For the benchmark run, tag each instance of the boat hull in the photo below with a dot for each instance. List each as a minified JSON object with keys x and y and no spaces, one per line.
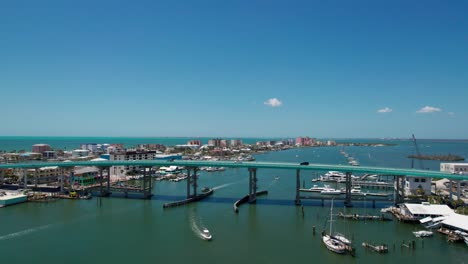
{"x":334,"y":245}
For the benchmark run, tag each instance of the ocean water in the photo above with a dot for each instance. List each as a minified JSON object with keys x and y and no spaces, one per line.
{"x":274,"y":230}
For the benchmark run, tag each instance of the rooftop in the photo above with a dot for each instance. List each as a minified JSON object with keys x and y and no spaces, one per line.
{"x":429,"y":209}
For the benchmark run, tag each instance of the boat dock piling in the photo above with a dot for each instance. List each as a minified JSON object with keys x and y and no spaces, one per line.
{"x":377,"y":248}
{"x":363,"y":217}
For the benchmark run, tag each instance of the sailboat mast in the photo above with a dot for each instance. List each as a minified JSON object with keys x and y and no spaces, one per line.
{"x":331,"y":218}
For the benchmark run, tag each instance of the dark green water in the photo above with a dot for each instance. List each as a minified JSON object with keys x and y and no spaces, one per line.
{"x":272,"y":231}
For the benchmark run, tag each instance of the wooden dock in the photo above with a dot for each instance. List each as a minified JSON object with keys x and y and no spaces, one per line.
{"x":363,"y":217}
{"x":377,"y":248}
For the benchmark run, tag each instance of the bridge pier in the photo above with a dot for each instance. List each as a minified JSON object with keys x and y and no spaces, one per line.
{"x":146,"y":183}
{"x":399,"y":197}
{"x":450,"y":191}
{"x":252,"y":185}
{"x":104,"y":191}
{"x":458,"y":189}
{"x":348,"y":190}
{"x":35,"y":178}
{"x":2,"y":177}
{"x":25,"y":178}
{"x":298,"y":187}
{"x":192,"y":182}
{"x":108,"y":180}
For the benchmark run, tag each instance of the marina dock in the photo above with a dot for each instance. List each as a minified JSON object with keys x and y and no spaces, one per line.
{"x":377,"y":248}
{"x":363,"y":217}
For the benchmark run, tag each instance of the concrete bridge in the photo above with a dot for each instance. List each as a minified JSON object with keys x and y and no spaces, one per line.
{"x":252,"y":167}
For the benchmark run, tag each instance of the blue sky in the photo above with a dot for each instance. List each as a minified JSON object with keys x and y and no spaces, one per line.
{"x":210,"y":68}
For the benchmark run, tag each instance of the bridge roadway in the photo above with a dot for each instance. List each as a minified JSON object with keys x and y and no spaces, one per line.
{"x":249,"y":165}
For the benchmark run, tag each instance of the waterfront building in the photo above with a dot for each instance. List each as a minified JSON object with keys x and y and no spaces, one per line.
{"x":93,"y":147}
{"x":84,"y":176}
{"x":215,"y":142}
{"x":130,"y":155}
{"x":80,"y":153}
{"x":11,"y":157}
{"x":305,"y":141}
{"x":425,"y":209}
{"x":167,"y":157}
{"x":30,"y":156}
{"x":456,"y":168}
{"x":417,"y":186}
{"x":194,"y":142}
{"x":40,"y":148}
{"x":49,"y":154}
{"x":45,"y":174}
{"x":331,"y":143}
{"x":236,"y":142}
{"x":158,"y":147}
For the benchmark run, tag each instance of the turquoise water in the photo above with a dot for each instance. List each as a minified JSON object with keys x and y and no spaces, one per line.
{"x":272,"y":231}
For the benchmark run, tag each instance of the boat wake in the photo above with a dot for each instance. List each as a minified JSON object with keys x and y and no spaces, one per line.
{"x":24,"y":232}
{"x":226,"y":185}
{"x":196,"y":224}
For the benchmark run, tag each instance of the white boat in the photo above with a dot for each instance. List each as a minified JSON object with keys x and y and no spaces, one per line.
{"x":432,"y":223}
{"x":333,"y":176}
{"x":277,"y":178}
{"x":330,"y":191}
{"x":342,"y":238}
{"x":356,"y":190}
{"x":206,"y":234}
{"x":423,"y":233}
{"x":316,"y":188}
{"x":330,"y":242}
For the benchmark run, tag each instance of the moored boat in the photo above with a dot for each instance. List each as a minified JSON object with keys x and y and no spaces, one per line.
{"x":330,"y":191}
{"x":342,"y":238}
{"x":423,"y":233}
{"x":332,"y":243}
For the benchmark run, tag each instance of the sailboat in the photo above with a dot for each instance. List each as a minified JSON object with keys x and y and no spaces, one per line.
{"x":332,"y":243}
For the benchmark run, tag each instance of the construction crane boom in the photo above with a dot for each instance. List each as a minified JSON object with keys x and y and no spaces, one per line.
{"x":418,"y":154}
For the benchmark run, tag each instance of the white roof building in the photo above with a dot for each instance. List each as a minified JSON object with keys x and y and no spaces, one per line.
{"x":426,"y":209}
{"x":457,"y":221}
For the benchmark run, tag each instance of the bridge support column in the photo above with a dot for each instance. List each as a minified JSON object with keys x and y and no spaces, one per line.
{"x":35,"y":178}
{"x":189,"y":179}
{"x":397,"y":189}
{"x":298,"y":186}
{"x":2,"y":177}
{"x":108,"y":180}
{"x":25,"y":178}
{"x":450,"y":191}
{"x":458,"y":189}
{"x":252,"y":185}
{"x":194,"y":183}
{"x":146,"y":183}
{"x":348,"y":190}
{"x":101,"y":180}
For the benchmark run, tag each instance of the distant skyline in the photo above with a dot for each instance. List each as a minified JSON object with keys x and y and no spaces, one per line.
{"x":270,"y":69}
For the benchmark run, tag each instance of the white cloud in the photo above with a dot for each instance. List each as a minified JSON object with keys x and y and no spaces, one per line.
{"x":428,"y":109}
{"x":385,"y":110}
{"x":273,"y":102}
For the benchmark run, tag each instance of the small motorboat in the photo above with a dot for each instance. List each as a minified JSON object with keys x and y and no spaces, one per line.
{"x":423,"y":233}
{"x":206,"y":234}
{"x":277,"y":178}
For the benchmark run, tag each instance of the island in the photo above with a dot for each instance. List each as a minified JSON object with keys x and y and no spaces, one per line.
{"x":441,"y":157}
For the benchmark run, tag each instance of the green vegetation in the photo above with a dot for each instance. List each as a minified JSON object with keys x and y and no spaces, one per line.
{"x":462,"y":210}
{"x":448,"y":157}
